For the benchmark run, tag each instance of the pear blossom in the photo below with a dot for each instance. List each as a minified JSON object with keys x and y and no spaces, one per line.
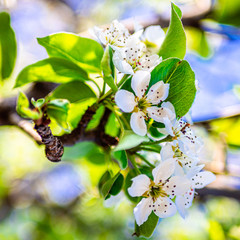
{"x":198,"y":179}
{"x":171,"y":150}
{"x":184,"y":136}
{"x":116,"y":35}
{"x":153,"y":36}
{"x":134,"y":57}
{"x":156,"y":192}
{"x":143,"y":104}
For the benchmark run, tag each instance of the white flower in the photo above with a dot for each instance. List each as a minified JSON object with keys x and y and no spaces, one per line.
{"x":156,"y":193}
{"x":134,"y":57}
{"x":198,"y":180}
{"x":172,"y":150}
{"x":153,"y":36}
{"x":143,"y":104}
{"x":116,"y":35}
{"x":184,"y":136}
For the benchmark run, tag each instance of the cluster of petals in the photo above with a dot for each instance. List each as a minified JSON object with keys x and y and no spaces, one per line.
{"x":157,"y":193}
{"x":185,"y":149}
{"x":143,"y":103}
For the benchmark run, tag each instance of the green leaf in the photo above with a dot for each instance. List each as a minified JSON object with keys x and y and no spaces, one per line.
{"x":121,"y":158}
{"x":8,"y":46}
{"x":147,"y":228}
{"x":23,"y":108}
{"x":112,"y":127}
{"x":73,"y":91}
{"x":107,"y":70}
{"x":94,"y":122}
{"x":56,"y":70}
{"x":84,"y":52}
{"x":106,"y":188}
{"x":117,"y":185}
{"x":174,"y":44}
{"x":182,"y":83}
{"x":155,"y":133}
{"x":130,"y":140}
{"x":39,"y":103}
{"x":128,"y":182}
{"x":85,"y":150}
{"x":105,"y":177}
{"x":58,"y":110}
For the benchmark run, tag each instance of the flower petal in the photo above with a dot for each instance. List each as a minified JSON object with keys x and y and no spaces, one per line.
{"x":140,"y":82}
{"x":200,"y":180}
{"x":168,"y":127}
{"x":160,"y":113}
{"x":139,"y":186}
{"x":166,"y":151}
{"x":189,"y":198}
{"x":158,"y":92}
{"x":180,"y":204}
{"x":163,"y":171}
{"x":121,"y":65}
{"x":138,"y":124}
{"x":154,"y":34}
{"x":125,"y":100}
{"x":177,"y":185}
{"x":143,"y":210}
{"x":164,"y":207}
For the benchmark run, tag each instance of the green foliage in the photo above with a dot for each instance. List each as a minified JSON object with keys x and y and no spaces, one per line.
{"x":85,"y":150}
{"x":130,"y":140}
{"x":111,"y":185}
{"x":8,"y":47}
{"x":121,"y":158}
{"x":147,"y":228}
{"x":236,"y":90}
{"x":39,"y":103}
{"x":108,"y":74}
{"x":197,"y":41}
{"x":84,"y":52}
{"x":57,"y":109}
{"x":56,"y":70}
{"x":23,"y":108}
{"x":112,"y":127}
{"x":182,"y":83}
{"x":174,"y":44}
{"x":128,"y":182}
{"x":117,"y":185}
{"x":73,"y":91}
{"x":94,"y":122}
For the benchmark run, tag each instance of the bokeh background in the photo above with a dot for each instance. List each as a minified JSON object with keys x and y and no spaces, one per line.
{"x":42,"y":200}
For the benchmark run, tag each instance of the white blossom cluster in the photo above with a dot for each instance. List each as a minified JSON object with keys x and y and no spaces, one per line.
{"x":175,"y":179}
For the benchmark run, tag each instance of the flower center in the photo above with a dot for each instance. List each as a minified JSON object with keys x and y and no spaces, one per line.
{"x":143,"y":104}
{"x":155,"y":191}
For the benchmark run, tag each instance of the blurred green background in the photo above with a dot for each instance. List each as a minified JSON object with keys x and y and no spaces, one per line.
{"x":43,"y":200}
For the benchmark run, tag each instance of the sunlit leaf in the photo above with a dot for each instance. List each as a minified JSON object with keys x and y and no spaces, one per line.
{"x":182,"y":83}
{"x":147,"y":228}
{"x":174,"y":44}
{"x":73,"y":91}
{"x":84,"y":52}
{"x":58,"y":109}
{"x":85,"y":150}
{"x":130,"y":140}
{"x":38,"y":103}
{"x":56,"y":70}
{"x":8,"y":46}
{"x":23,"y":108}
{"x":107,"y":70}
{"x":121,"y":158}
